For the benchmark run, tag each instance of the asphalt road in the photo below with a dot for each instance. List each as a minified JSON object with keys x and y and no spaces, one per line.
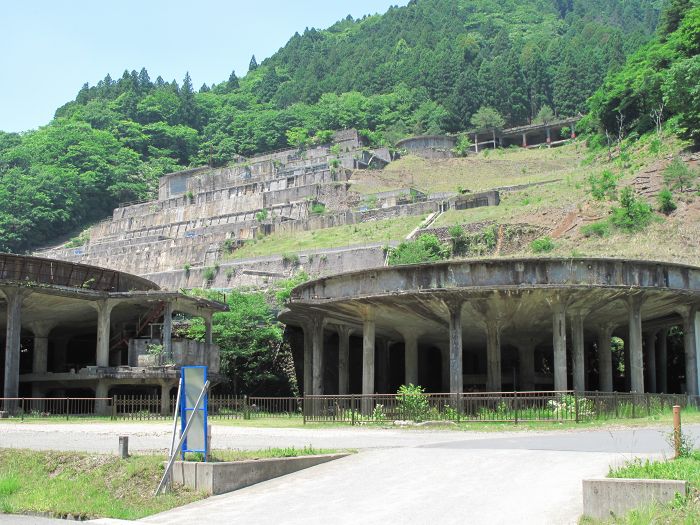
{"x":400,"y":475}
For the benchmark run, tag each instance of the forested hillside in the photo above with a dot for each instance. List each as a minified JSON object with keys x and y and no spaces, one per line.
{"x":426,"y":67}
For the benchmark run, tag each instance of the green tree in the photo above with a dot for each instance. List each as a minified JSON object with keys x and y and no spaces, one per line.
{"x":678,"y":176}
{"x":545,"y":115}
{"x":486,"y":119}
{"x":253,"y":65}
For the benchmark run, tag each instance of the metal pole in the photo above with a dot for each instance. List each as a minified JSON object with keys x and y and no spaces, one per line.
{"x":677,"y":430}
{"x":182,"y":438}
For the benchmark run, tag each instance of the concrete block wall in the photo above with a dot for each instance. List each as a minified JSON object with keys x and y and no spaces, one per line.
{"x":261,"y":271}
{"x":185,"y":353}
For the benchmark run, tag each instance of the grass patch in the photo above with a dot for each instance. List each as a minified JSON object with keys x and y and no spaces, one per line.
{"x":84,"y":485}
{"x":98,"y":485}
{"x":682,"y":510}
{"x":366,"y":232}
{"x":270,"y":453}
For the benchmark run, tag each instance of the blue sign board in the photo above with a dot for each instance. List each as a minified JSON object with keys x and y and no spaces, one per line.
{"x":192,"y":381}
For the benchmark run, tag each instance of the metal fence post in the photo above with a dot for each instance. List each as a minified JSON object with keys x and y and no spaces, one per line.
{"x":576,"y":405}
{"x":617,"y":404}
{"x":21,"y":407}
{"x":114,"y":408}
{"x":515,"y":406}
{"x":303,"y":407}
{"x":352,"y":410}
{"x":67,"y":408}
{"x":246,"y":408}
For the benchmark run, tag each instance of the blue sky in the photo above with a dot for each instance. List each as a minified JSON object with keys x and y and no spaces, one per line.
{"x":52,"y":47}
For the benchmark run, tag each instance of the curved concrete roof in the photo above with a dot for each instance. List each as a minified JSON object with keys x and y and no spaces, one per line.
{"x":26,"y":269}
{"x":515,"y":292}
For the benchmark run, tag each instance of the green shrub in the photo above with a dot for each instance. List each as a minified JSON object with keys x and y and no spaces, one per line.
{"x":412,"y":402}
{"x":598,"y":229}
{"x":666,"y":202}
{"x":604,"y":186}
{"x":290,"y":259}
{"x":543,"y":244}
{"x":261,"y":215}
{"x":633,"y":214}
{"x":318,"y":208}
{"x":678,"y":176}
{"x":424,"y":249}
{"x":209,"y":274}
{"x":187,"y":268}
{"x":463,"y":145}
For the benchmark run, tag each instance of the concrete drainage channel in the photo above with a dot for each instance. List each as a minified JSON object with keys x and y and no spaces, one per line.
{"x":221,"y":477}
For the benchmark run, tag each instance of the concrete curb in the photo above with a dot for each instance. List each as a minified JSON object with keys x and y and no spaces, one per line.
{"x":221,"y":477}
{"x":606,"y":497}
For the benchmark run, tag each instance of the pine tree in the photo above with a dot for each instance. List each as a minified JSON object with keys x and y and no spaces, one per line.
{"x":233,"y":83}
{"x":253,"y":64}
{"x":144,"y":81}
{"x":672,"y":15}
{"x":204,"y":88}
{"x":188,"y":108}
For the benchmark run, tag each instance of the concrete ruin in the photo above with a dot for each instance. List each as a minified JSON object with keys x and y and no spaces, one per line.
{"x":496,"y":325}
{"x":82,"y":331}
{"x":202,"y":215}
{"x":547,"y":134}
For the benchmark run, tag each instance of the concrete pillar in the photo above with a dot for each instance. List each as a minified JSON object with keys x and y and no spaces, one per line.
{"x":368,"y":331}
{"x":476,"y":142}
{"x":165,"y":398}
{"x":524,"y":140}
{"x":650,"y":361}
{"x":635,"y":344}
{"x":605,"y":381}
{"x":493,"y":357}
{"x":526,"y":365}
{"x":662,"y":362}
{"x":456,"y":375}
{"x":104,"y":311}
{"x":578,"y":348}
{"x":573,"y":130}
{"x":559,"y":344}
{"x":549,"y":136}
{"x":208,"y":329}
{"x":101,"y":391}
{"x":308,"y":360}
{"x":690,"y":348}
{"x":168,"y":330}
{"x":317,"y":323}
{"x":410,"y":339}
{"x":14,"y":297}
{"x":344,"y":333}
{"x":40,"y":355}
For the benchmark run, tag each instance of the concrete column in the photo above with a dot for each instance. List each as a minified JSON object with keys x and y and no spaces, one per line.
{"x":14,"y":297}
{"x":456,"y":375}
{"x":526,"y":365}
{"x":308,"y":360}
{"x":208,"y":330}
{"x":549,"y":136}
{"x":168,"y":330}
{"x":650,"y":361}
{"x":165,"y":398}
{"x":690,"y":348}
{"x":368,"y":331}
{"x":635,"y":344}
{"x":559,"y":344}
{"x":410,"y":339}
{"x":605,"y":381}
{"x":101,"y":406}
{"x":493,"y":357}
{"x":40,"y":355}
{"x":662,"y":362}
{"x":578,"y":347}
{"x":476,"y":143}
{"x":524,"y":140}
{"x":104,"y":311}
{"x":317,"y":323}
{"x":344,"y":333}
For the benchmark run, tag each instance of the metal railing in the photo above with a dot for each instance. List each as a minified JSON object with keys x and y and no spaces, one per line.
{"x":54,"y":407}
{"x":375,"y":408}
